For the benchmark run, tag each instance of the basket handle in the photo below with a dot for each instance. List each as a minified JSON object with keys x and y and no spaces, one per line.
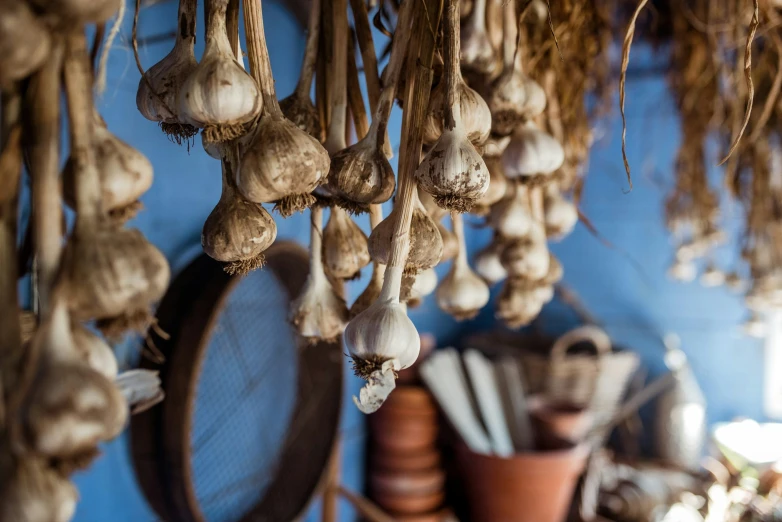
{"x":589,"y":333}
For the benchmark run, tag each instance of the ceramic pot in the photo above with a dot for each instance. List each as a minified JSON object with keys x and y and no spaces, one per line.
{"x":385,"y":460}
{"x":553,"y":421}
{"x":436,"y":516}
{"x":402,"y":504}
{"x":409,"y":399}
{"x":528,"y":487}
{"x":403,"y":433}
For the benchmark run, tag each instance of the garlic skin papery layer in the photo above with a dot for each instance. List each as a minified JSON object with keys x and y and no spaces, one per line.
{"x":381,"y":340}
{"x":345,"y":250}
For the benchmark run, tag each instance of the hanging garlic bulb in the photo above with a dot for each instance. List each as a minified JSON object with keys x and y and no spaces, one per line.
{"x":109,"y":274}
{"x":32,"y":491}
{"x":514,"y":97}
{"x":475,"y":114}
{"x":498,"y":185}
{"x":237,"y":232}
{"x":450,"y":243}
{"x":318,"y":314}
{"x":416,"y":287}
{"x":684,"y":271}
{"x":461,"y":294}
{"x":453,"y":172}
{"x":426,"y":244}
{"x":298,"y":107}
{"x":518,"y":303}
{"x":345,"y":250}
{"x":511,"y":217}
{"x":532,"y":152}
{"x":488,"y":264}
{"x":381,"y":340}
{"x":218,"y":95}
{"x":476,"y":52}
{"x":526,"y":257}
{"x":712,"y":276}
{"x":125,"y":174}
{"x":75,"y":13}
{"x":94,"y":351}
{"x":70,"y":407}
{"x":157,"y":97}
{"x":24,"y":42}
{"x":282,"y":164}
{"x":560,"y":215}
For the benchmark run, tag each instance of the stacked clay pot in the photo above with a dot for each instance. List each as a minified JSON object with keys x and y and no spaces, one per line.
{"x":405,"y":474}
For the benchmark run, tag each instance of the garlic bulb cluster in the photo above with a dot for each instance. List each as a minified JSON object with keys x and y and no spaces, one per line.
{"x":345,"y":250}
{"x":453,"y":172}
{"x":520,"y":301}
{"x":462,"y":293}
{"x":125,"y":174}
{"x":76,"y":13}
{"x":157,"y":96}
{"x":318,"y":314}
{"x":282,"y":163}
{"x":237,"y":232}
{"x":381,"y":340}
{"x":218,"y":94}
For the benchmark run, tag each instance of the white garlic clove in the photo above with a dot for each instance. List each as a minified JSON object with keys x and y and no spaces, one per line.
{"x":24,"y":42}
{"x":381,"y":340}
{"x":453,"y":172}
{"x":683,"y":271}
{"x":532,"y":152}
{"x":488,"y":264}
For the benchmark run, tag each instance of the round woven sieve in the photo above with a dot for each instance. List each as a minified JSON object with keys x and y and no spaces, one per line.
{"x":250,"y":417}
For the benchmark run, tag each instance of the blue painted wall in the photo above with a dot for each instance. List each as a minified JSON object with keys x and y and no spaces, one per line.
{"x":636,"y":302}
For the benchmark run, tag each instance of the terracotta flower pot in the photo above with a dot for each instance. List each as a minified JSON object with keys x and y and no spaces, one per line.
{"x":528,"y":487}
{"x":407,"y":482}
{"x":410,"y":398}
{"x":383,"y":459}
{"x":557,"y":422}
{"x":401,"y":504}
{"x":436,"y":516}
{"x":403,"y":433}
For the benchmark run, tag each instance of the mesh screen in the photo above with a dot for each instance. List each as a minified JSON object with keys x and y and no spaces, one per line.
{"x":245,"y":399}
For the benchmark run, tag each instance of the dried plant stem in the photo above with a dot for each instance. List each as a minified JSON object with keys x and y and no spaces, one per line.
{"x":232,"y":29}
{"x":419,"y":84}
{"x":626,"y":45}
{"x":258,"y":54}
{"x":78,"y":86}
{"x":10,"y":173}
{"x":310,"y":51}
{"x":43,"y":103}
{"x":510,"y":34}
{"x":452,"y":112}
{"x":368,"y":54}
{"x":335,"y":140}
{"x":355,"y":99}
{"x":552,"y":106}
{"x":773,"y":93}
{"x":753,"y":27}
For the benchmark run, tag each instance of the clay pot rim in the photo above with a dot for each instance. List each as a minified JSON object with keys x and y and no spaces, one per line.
{"x":582,"y":449}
